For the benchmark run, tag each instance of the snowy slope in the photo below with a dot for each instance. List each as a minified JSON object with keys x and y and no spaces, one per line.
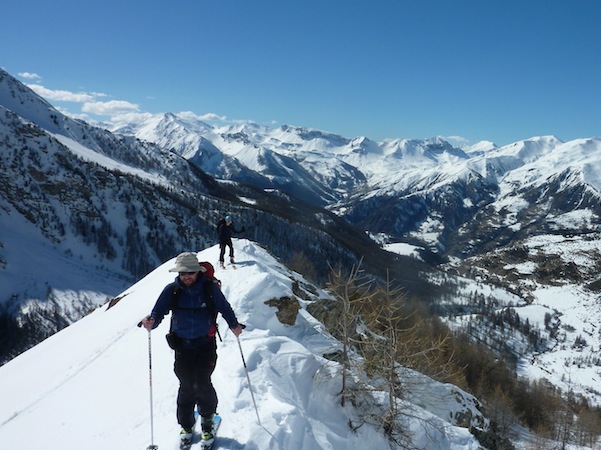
{"x":88,"y":385}
{"x":565,"y":313}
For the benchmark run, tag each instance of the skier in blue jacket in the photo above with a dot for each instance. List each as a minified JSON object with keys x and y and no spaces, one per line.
{"x":192,"y":336}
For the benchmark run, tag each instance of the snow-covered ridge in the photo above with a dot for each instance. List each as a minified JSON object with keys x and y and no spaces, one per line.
{"x":88,"y":384}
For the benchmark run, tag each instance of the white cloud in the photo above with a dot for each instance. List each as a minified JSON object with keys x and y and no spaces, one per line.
{"x":98,"y":94}
{"x":61,"y":96}
{"x":119,"y":112}
{"x":110,"y":108}
{"x":208,"y":116}
{"x":456,"y":139}
{"x":30,"y":76}
{"x":125,"y":118}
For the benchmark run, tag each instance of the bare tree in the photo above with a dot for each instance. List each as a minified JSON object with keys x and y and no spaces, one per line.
{"x":381,"y":347}
{"x":588,"y":427}
{"x":379,"y":333}
{"x":349,"y":291}
{"x":499,"y":407}
{"x":399,"y":337}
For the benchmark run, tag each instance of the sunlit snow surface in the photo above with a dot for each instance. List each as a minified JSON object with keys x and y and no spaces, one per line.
{"x":88,"y":385}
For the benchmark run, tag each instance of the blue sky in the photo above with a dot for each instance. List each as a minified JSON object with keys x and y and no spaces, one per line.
{"x":467,"y":70}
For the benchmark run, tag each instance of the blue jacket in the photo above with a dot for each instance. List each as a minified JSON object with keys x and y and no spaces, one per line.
{"x":192,"y":318}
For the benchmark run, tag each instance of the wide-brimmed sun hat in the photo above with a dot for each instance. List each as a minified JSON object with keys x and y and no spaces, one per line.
{"x":186,"y":262}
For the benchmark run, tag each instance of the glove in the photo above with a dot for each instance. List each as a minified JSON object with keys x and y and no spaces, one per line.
{"x":147,"y":322}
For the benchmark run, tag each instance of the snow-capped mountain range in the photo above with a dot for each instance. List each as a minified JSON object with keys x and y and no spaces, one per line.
{"x":94,"y":210}
{"x":424,"y":189}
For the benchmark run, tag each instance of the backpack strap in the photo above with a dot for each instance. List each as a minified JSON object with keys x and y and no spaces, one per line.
{"x":211,"y":305}
{"x":174,"y":302}
{"x":208,"y":285}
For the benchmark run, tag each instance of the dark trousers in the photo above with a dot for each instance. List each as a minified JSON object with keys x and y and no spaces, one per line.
{"x":193,"y":368}
{"x":222,"y":245}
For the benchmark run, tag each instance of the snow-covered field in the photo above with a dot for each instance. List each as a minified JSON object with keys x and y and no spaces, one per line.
{"x":575,"y":313}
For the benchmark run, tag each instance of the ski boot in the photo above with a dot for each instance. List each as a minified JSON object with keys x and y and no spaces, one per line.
{"x":206,"y":423}
{"x":185,"y":438}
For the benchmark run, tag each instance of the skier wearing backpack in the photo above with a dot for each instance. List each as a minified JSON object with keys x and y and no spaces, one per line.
{"x":225,"y":230}
{"x":192,"y":335}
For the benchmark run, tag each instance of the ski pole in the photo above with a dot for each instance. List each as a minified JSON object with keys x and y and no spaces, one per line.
{"x":151,"y":446}
{"x":248,"y":379}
